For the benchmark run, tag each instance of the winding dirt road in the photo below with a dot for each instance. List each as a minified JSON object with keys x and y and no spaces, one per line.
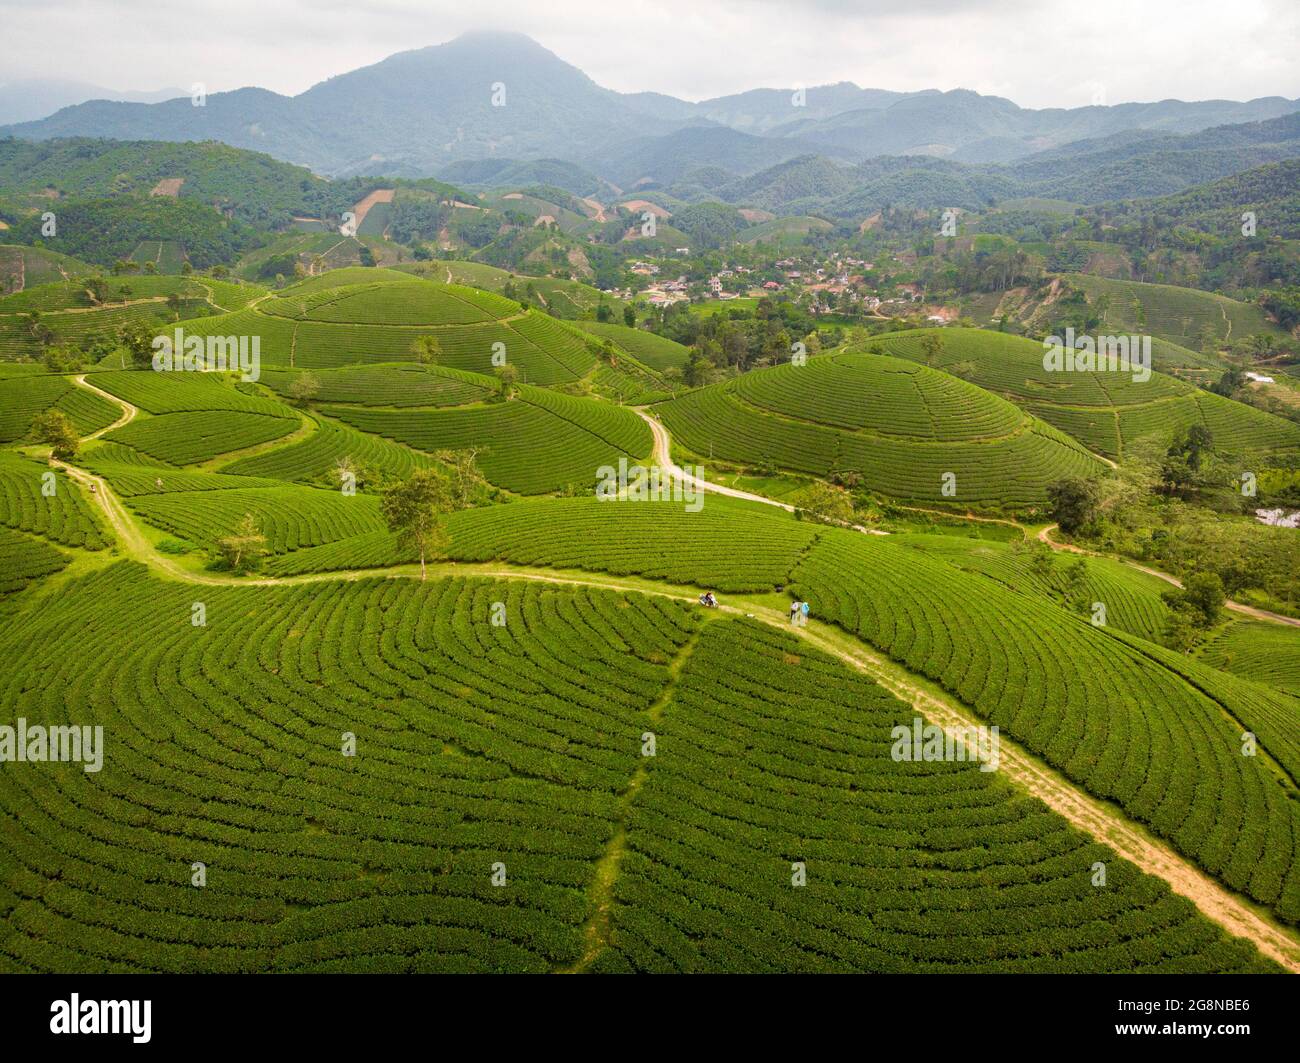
{"x":662,"y":455}
{"x":128,"y":411}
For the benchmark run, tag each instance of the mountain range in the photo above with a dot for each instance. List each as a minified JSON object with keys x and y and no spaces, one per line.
{"x":32,"y":98}
{"x":502,"y":96}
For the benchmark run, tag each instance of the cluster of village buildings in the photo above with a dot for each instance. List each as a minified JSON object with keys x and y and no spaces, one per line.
{"x":840,"y":278}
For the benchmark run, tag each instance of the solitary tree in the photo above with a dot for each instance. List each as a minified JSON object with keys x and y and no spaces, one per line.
{"x":1076,"y":584}
{"x":54,"y":428}
{"x":507,"y":377}
{"x":427,"y":350}
{"x":245,"y":548}
{"x":467,"y":486}
{"x":1074,"y":503}
{"x":303,"y":388}
{"x":97,"y":289}
{"x":60,"y":359}
{"x":629,"y":316}
{"x":1201,"y":597}
{"x":932,"y":344}
{"x":413,"y":511}
{"x":137,"y":338}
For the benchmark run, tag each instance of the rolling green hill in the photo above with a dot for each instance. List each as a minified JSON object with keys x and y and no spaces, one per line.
{"x":902,"y":430}
{"x":331,"y":321}
{"x":69,"y":314}
{"x":1104,"y":411}
{"x":658,"y":352}
{"x":25,"y":267}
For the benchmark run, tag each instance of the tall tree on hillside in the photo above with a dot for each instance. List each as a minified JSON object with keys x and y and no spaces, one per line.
{"x":1074,"y":502}
{"x":137,"y":339}
{"x":507,"y":377}
{"x":245,"y":547}
{"x":303,"y":388}
{"x":54,"y":427}
{"x":467,"y":486}
{"x":414,"y":509}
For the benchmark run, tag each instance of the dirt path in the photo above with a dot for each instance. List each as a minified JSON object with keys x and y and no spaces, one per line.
{"x":1086,"y":813}
{"x":662,"y":455}
{"x":1045,"y":536}
{"x":128,"y":411}
{"x":101,"y":306}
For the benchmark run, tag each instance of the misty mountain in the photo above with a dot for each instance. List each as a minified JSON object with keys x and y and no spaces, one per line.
{"x":974,"y":128}
{"x":33,"y":98}
{"x":522,"y":173}
{"x":405,"y":115}
{"x":416,"y":112}
{"x":1119,"y":166}
{"x":655,"y":161}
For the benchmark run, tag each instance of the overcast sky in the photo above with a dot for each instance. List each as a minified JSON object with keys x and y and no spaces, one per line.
{"x":1039,"y":53}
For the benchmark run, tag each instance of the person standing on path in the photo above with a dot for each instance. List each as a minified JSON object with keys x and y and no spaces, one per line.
{"x":794,"y":612}
{"x":803,"y":613}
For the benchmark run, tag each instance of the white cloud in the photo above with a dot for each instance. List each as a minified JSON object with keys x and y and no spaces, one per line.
{"x":1039,"y":53}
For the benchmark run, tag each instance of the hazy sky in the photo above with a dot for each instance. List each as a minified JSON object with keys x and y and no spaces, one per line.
{"x":1039,"y":53}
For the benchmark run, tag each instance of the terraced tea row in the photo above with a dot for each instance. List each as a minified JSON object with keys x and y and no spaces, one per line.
{"x":773,"y":759}
{"x":658,"y":352}
{"x":44,"y":501}
{"x":317,"y":458}
{"x":476,"y":745}
{"x":541,"y":441}
{"x":659,"y":540}
{"x":884,"y":396}
{"x":195,"y":436}
{"x":373,"y":323}
{"x":1126,"y":719}
{"x":1107,"y":411}
{"x":1012,"y":471}
{"x":1263,"y":653}
{"x":24,"y":398}
{"x":1131,"y":600}
{"x":490,"y":776}
{"x":182,"y":392}
{"x":290,"y":517}
{"x":388,"y":385}
{"x":388,"y":303}
{"x":24,"y":559}
{"x":1086,"y":700}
